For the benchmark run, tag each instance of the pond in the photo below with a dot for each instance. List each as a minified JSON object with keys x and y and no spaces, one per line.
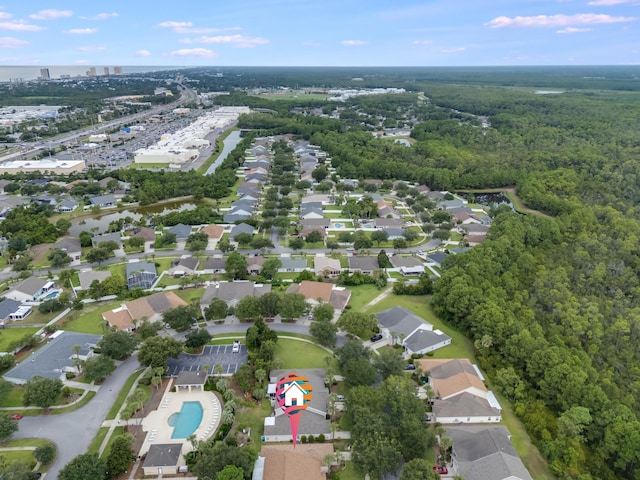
{"x":229,"y":144}
{"x":100,"y":222}
{"x":493,"y":200}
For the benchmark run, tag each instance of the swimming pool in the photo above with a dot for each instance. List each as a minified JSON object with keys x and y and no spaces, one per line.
{"x":337,"y":225}
{"x":53,"y":294}
{"x":367,"y":226}
{"x":187,"y":420}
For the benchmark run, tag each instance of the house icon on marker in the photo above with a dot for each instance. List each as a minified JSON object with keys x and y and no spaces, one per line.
{"x":294,"y":395}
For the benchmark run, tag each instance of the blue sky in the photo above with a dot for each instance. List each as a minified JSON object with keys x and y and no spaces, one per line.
{"x":323,"y":33}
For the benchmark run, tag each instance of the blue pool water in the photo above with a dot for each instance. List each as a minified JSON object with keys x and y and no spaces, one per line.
{"x":51,"y":295}
{"x":338,"y":225}
{"x":186,"y":421}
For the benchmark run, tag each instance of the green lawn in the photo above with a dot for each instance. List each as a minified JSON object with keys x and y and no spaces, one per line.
{"x":190,"y":294}
{"x":14,"y":399}
{"x":362,"y":295}
{"x":117,"y":432}
{"x":122,"y":395}
{"x":13,"y":456}
{"x":98,"y":439}
{"x":8,"y":335}
{"x":326,"y":214}
{"x":253,"y":418}
{"x":460,"y":346}
{"x":296,"y":354}
{"x":89,"y":319}
{"x":149,"y":165}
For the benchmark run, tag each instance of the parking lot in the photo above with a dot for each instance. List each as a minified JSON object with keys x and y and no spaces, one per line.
{"x":211,"y":355}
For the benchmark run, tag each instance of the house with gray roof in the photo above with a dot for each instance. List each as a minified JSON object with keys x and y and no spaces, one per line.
{"x":314,"y":419}
{"x":103,"y":201}
{"x":107,"y":237}
{"x":215,"y":265}
{"x":55,"y":357}
{"x":315,"y":223}
{"x":241,"y":228}
{"x":162,"y":459}
{"x":141,"y":275}
{"x":29,"y":289}
{"x":248,"y":187}
{"x":437,"y":258}
{"x":181,"y":231}
{"x":466,"y":408}
{"x":311,"y":210}
{"x":398,"y":261}
{"x":71,"y":246}
{"x":416,"y":335}
{"x":183,"y":266}
{"x":363,"y":264}
{"x":388,"y":223}
{"x":236,"y":215}
{"x":293,"y":265}
{"x":485,"y":453}
{"x":451,"y":204}
{"x":12,"y":310}
{"x":475,"y":229}
{"x":66,"y":205}
{"x":233,"y":292}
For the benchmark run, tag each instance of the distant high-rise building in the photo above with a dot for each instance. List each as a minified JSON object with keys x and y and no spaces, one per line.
{"x":91,"y":72}
{"x":44,"y":74}
{"x":106,"y":70}
{"x":117,"y":70}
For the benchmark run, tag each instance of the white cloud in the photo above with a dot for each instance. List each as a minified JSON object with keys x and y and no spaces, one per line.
{"x":568,"y":30}
{"x":143,"y":53}
{"x":10,"y":42}
{"x":559,"y":20}
{"x":51,"y":14}
{"x":5,"y":16}
{"x":203,"y":30}
{"x":101,"y":16}
{"x":453,"y":50}
{"x":353,"y":43}
{"x":171,"y":24}
{"x":19,"y":26}
{"x":193,"y":52}
{"x":240,"y":41}
{"x":92,"y":48}
{"x":81,"y":31}
{"x":607,"y":3}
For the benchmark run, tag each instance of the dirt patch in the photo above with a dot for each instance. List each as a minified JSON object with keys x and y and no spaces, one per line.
{"x":37,"y":252}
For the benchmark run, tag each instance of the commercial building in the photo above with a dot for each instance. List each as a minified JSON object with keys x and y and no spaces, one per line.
{"x":44,"y":74}
{"x":53,"y":166}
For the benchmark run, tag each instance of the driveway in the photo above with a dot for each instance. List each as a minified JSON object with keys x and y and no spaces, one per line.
{"x":73,"y":432}
{"x":211,"y":355}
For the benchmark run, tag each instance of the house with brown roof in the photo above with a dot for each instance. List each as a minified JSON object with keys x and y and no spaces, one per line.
{"x":146,"y":233}
{"x":213,"y":231}
{"x":318,"y":292}
{"x":254,"y":264}
{"x":283,"y":462}
{"x":150,"y":308}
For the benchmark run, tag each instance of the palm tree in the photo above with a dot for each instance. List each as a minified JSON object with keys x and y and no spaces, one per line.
{"x":260,"y":374}
{"x":222,"y":385}
{"x":227,"y":417}
{"x":218,"y":370}
{"x":228,"y":395}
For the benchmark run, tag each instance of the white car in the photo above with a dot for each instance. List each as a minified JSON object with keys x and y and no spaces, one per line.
{"x":236,"y":347}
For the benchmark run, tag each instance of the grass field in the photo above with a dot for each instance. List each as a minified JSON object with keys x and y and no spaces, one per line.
{"x":124,"y":392}
{"x":253,"y":418}
{"x":98,"y":439}
{"x":296,"y":354}
{"x":89,"y":319}
{"x":148,"y":165}
{"x":293,"y":95}
{"x":9,"y":335}
{"x":363,"y":294}
{"x":190,"y":294}
{"x":12,"y":456}
{"x":14,"y":399}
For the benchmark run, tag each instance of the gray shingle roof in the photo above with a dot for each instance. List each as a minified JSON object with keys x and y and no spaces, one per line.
{"x":137,"y":267}
{"x":181,"y":230}
{"x":7,"y":307}
{"x":364,"y":264}
{"x":163,"y":455}
{"x":400,"y":320}
{"x":423,"y":339}
{"x":233,"y":291}
{"x":107,"y":237}
{"x":241,"y":228}
{"x":464,"y":405}
{"x":30,"y":285}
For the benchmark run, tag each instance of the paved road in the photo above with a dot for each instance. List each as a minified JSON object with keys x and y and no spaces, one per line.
{"x":73,"y":432}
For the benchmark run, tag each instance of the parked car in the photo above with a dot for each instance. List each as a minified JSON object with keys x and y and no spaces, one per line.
{"x":16,"y":416}
{"x":236,"y":347}
{"x":340,"y":398}
{"x":410,"y":366}
{"x":376,"y":337}
{"x":441,"y":470}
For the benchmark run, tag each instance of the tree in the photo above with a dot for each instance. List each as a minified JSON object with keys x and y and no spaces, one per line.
{"x":225,"y":246}
{"x":410,"y":235}
{"x":97,"y":368}
{"x":230,"y":472}
{"x":383,"y":260}
{"x":357,"y":323}
{"x":248,"y":308}
{"x":216,"y":310}
{"x":332,"y":245}
{"x":324,"y":332}
{"x":270,"y":267}
{"x":98,"y":255}
{"x":361,"y":241}
{"x":148,"y":329}
{"x":210,"y":459}
{"x":379,"y":236}
{"x":313,"y":237}
{"x":388,"y":363}
{"x":180,"y":318}
{"x":117,"y":345}
{"x":236,"y":266}
{"x":319,"y":173}
{"x":296,"y":243}
{"x":121,"y":455}
{"x":85,"y":238}
{"x":197,"y":338}
{"x":87,"y":466}
{"x":197,"y":242}
{"x":8,"y":426}
{"x":58,"y":258}
{"x":259,"y":333}
{"x":292,"y":305}
{"x":376,"y":454}
{"x":155,"y":351}
{"x":418,"y":469}
{"x":114,"y":285}
{"x":5,"y":388}
{"x":243,"y":238}
{"x":261,"y":243}
{"x":242,"y":377}
{"x":323,"y":312}
{"x":45,"y":453}
{"x":42,"y":392}
{"x":136,"y":242}
{"x":269,"y":304}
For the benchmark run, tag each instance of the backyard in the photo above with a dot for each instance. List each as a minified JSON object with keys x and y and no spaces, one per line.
{"x":296,"y":353}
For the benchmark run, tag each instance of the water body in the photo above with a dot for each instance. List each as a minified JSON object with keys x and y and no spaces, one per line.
{"x":229,"y":144}
{"x":493,"y":200}
{"x":99,"y":223}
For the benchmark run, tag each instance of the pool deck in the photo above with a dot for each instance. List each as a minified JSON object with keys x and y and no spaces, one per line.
{"x":156,"y":423}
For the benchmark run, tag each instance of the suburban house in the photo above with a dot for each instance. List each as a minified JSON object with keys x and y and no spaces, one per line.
{"x":312,"y":422}
{"x":163,"y":459}
{"x":215,"y":265}
{"x":183,"y":266}
{"x":399,"y":325}
{"x":306,"y":231}
{"x":388,"y":212}
{"x":248,"y":187}
{"x":103,"y":201}
{"x":315,"y":223}
{"x":363,"y":264}
{"x":318,"y":292}
{"x":475,"y":240}
{"x":12,"y":310}
{"x":107,"y":237}
{"x":294,"y":265}
{"x":236,"y":215}
{"x":148,"y":308}
{"x":241,"y":228}
{"x":485,"y":453}
{"x":407,"y":265}
{"x":283,"y":462}
{"x":87,"y":277}
{"x":141,"y":275}
{"x":29,"y":290}
{"x":213,"y":231}
{"x":254,"y":264}
{"x":321,"y":198}
{"x":71,"y":246}
{"x":437,"y":258}
{"x":181,"y":231}
{"x":233,"y":292}
{"x":326,"y":266}
{"x":388,"y":222}
{"x":464,"y":218}
{"x":475,"y":229}
{"x":66,"y":205}
{"x":311,"y":210}
{"x":146,"y":233}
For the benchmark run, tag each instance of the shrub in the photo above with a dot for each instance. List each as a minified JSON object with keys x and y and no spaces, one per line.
{"x":311,"y":439}
{"x":70,"y":375}
{"x":321,"y":438}
{"x":303,"y":439}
